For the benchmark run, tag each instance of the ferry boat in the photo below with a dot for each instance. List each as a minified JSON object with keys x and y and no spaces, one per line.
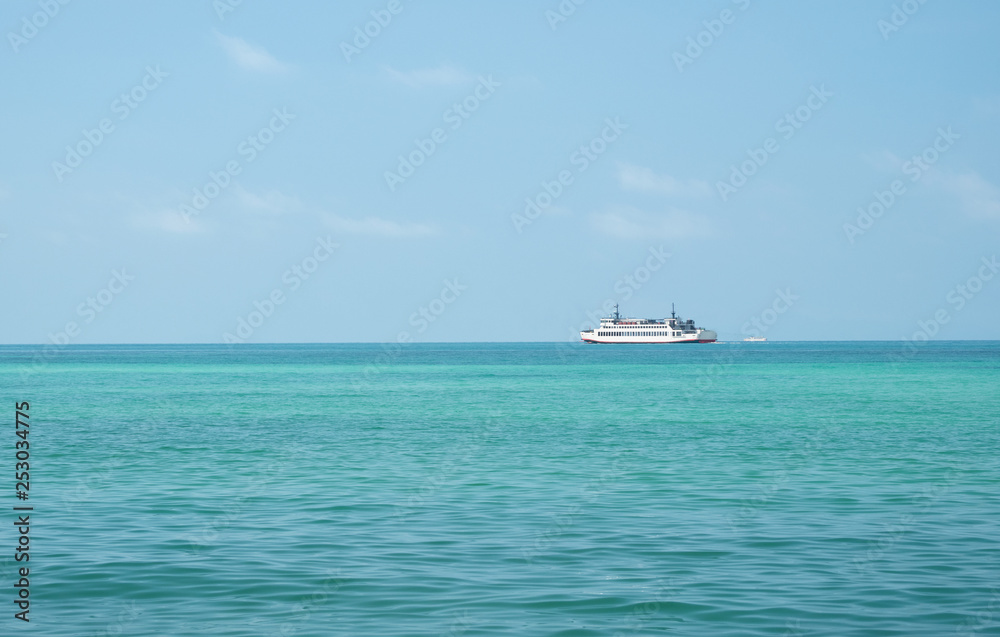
{"x":755,"y":339}
{"x":618,"y":329}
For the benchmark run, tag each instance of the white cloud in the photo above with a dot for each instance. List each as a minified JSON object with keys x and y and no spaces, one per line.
{"x":641,"y":179}
{"x":440,"y":76}
{"x":248,"y":56}
{"x":374,"y":226}
{"x":630,"y":223}
{"x":272,"y":201}
{"x":979,"y":198}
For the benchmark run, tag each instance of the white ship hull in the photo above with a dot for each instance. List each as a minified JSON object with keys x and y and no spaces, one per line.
{"x":701,"y":336}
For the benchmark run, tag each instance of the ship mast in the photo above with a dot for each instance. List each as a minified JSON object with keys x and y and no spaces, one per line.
{"x":673,"y":314}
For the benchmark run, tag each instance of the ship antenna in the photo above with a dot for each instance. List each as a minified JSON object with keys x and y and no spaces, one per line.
{"x":672,"y":313}
{"x":616,"y":311}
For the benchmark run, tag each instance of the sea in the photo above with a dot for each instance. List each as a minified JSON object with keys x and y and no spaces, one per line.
{"x":780,"y":489}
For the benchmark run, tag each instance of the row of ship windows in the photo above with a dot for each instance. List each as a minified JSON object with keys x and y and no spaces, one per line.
{"x":630,"y":333}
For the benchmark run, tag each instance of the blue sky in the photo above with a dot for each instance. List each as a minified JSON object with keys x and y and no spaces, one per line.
{"x":254,"y":167}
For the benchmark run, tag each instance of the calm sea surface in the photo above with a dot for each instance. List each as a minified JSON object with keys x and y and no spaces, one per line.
{"x":508,"y":489}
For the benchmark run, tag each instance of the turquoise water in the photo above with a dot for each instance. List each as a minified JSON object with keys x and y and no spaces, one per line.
{"x":510,"y":489}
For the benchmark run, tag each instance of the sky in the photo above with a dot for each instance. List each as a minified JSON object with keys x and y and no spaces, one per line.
{"x":204,"y":172}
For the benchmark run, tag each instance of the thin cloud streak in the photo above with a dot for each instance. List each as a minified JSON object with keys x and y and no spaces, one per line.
{"x":641,"y":179}
{"x":633,"y":224}
{"x":980,"y":199}
{"x":248,"y":56}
